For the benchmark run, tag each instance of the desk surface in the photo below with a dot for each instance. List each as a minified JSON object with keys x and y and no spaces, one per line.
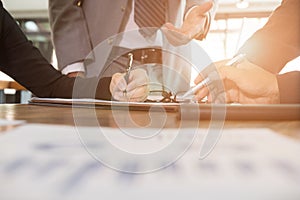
{"x":10,"y":85}
{"x":59,"y":168}
{"x":123,"y":118}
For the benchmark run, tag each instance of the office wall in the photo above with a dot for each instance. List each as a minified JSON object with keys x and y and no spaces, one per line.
{"x":27,"y":8}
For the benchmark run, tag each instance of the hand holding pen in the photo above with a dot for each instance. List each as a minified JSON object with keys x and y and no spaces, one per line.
{"x":133,"y":85}
{"x":246,"y":83}
{"x":235,"y":60}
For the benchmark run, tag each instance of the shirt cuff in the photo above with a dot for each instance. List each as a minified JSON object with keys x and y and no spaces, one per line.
{"x":75,"y":67}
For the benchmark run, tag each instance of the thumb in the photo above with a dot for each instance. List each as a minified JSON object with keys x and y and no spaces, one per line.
{"x":204,"y":7}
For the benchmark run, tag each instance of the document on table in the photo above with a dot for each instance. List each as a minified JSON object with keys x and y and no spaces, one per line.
{"x":189,"y":110}
{"x":4,"y":122}
{"x":51,"y":162}
{"x":97,"y":102}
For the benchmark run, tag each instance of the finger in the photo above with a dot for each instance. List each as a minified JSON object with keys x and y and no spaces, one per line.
{"x":138,"y":92}
{"x":205,"y":7}
{"x":219,"y":99}
{"x":199,"y":78}
{"x":121,"y":85}
{"x":137,"y":78}
{"x":138,"y":99}
{"x":190,"y":27}
{"x":212,"y":67}
{"x":209,"y":98}
{"x":203,"y":92}
{"x":195,"y":19}
{"x":134,"y":87}
{"x":118,"y":82}
{"x":232,"y":95}
{"x":119,"y":96}
{"x":137,"y":82}
{"x":137,"y":74}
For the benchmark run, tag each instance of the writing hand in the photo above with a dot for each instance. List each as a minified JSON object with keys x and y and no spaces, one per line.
{"x":136,"y":90}
{"x":246,"y":83}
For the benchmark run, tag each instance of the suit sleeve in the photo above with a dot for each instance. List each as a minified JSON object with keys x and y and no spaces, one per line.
{"x":70,"y":32}
{"x":23,"y":62}
{"x":289,"y":87}
{"x":277,"y":43}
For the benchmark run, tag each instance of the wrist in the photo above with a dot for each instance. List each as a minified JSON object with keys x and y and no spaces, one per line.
{"x":76,"y":74}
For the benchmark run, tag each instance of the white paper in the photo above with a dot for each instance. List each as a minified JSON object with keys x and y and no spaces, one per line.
{"x":98,"y":101}
{"x":4,"y":122}
{"x":50,"y":162}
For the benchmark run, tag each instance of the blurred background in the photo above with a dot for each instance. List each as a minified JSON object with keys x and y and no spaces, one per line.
{"x":234,"y":22}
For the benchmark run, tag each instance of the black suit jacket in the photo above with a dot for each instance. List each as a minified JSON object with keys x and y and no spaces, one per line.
{"x":277,"y":43}
{"x":23,"y":62}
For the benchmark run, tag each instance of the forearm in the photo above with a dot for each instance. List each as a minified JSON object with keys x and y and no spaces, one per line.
{"x":269,"y":53}
{"x":278,"y":41}
{"x":23,"y":62}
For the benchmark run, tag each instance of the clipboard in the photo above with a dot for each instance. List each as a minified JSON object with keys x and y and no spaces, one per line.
{"x":97,"y":103}
{"x":187,"y":111}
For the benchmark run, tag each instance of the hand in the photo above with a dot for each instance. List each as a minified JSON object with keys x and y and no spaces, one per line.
{"x":246,"y":83}
{"x":135,"y":90}
{"x":76,"y":74}
{"x":192,"y":26}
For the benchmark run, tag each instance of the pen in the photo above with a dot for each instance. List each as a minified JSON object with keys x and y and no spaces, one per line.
{"x":130,"y":61}
{"x":235,"y":60}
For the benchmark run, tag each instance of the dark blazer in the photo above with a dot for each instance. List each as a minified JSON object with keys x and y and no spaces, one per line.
{"x":23,"y":62}
{"x":277,"y":43}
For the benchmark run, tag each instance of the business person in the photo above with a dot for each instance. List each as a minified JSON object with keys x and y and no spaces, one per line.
{"x":78,"y":26}
{"x":257,"y":78}
{"x":24,"y":63}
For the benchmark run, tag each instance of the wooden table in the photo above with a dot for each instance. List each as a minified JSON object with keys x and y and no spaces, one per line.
{"x":117,"y":118}
{"x":10,"y":85}
{"x":11,"y":98}
{"x":75,"y":172}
